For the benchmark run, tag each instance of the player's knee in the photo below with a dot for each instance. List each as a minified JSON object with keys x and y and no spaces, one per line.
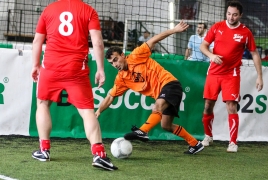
{"x":231,"y":107}
{"x":209,"y":105}
{"x":157,"y":109}
{"x":166,"y":127}
{"x":208,"y":109}
{"x":160,"y":106}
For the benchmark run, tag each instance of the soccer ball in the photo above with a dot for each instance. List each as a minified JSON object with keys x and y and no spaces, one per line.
{"x":121,"y":148}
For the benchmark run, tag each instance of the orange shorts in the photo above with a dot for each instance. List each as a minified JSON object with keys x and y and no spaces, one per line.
{"x":75,"y":83}
{"x":229,"y":85}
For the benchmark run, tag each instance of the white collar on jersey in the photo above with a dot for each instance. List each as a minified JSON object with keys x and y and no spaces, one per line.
{"x":231,"y":26}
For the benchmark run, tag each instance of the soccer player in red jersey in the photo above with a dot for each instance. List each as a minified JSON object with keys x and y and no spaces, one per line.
{"x":230,"y":39}
{"x":66,"y":25}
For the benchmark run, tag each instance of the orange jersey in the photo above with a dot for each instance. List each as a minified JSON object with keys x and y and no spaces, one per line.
{"x":144,"y":75}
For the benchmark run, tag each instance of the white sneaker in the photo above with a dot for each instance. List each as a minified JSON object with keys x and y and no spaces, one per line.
{"x":232,"y":147}
{"x":207,"y":140}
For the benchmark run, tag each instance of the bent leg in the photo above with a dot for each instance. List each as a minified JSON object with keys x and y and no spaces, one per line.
{"x":156,"y":115}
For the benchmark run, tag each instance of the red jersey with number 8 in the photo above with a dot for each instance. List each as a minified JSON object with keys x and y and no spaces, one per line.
{"x":66,"y":24}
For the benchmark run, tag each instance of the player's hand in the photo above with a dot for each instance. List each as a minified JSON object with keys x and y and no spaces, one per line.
{"x":97,"y":113}
{"x":35,"y":73}
{"x":100,"y":78}
{"x":216,"y":59}
{"x":259,"y":83}
{"x":182,"y":26}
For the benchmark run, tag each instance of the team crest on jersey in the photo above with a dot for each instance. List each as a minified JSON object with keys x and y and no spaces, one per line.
{"x":237,"y":37}
{"x":137,"y":77}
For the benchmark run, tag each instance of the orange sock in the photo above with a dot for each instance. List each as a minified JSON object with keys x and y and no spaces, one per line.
{"x":152,"y":121}
{"x":181,"y":132}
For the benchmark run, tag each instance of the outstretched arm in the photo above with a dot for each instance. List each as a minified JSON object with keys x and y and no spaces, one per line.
{"x":104,"y":104}
{"x":257,"y":63}
{"x":182,"y":26}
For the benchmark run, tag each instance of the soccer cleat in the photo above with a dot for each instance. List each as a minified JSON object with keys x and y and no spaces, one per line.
{"x":207,"y":140}
{"x":137,"y":134}
{"x":41,"y":155}
{"x":104,"y":163}
{"x":195,"y":149}
{"x":232,"y":147}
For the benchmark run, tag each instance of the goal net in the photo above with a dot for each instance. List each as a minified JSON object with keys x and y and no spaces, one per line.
{"x":124,"y":21}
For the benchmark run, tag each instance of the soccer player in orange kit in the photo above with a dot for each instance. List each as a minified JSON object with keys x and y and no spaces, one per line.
{"x":144,"y":75}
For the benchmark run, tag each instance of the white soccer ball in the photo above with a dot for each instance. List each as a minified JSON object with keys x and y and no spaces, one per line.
{"x":121,"y":148}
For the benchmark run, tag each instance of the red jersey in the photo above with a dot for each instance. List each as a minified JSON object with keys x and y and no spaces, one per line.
{"x":229,"y":43}
{"x":66,"y":24}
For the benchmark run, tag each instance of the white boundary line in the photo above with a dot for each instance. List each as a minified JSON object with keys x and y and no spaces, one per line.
{"x":6,"y":178}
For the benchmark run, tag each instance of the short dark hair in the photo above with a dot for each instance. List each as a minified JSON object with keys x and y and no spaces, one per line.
{"x":205,"y":25}
{"x":111,"y":50}
{"x":236,"y":4}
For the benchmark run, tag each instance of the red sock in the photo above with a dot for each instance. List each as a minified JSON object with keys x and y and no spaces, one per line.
{"x":233,"y":127}
{"x":98,"y":149}
{"x":44,"y":144}
{"x":207,"y":123}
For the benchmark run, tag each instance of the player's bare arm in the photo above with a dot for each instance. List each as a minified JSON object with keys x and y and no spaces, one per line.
{"x":98,"y":49}
{"x":204,"y":47}
{"x":36,"y":53}
{"x":257,"y":63}
{"x":182,"y":26}
{"x":104,"y":104}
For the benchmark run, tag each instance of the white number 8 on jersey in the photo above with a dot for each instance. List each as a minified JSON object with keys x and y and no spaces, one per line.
{"x":67,"y":23}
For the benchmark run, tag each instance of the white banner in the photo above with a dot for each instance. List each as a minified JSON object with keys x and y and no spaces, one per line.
{"x":15,"y":91}
{"x":16,"y":97}
{"x":253,"y":113}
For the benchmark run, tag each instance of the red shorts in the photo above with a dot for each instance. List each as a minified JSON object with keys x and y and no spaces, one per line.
{"x":229,"y":85}
{"x":75,"y":83}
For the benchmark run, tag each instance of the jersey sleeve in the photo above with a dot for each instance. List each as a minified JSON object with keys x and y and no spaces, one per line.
{"x":251,"y":45}
{"x":41,"y":25}
{"x":94,"y":22}
{"x":119,"y":87}
{"x":210,"y":37}
{"x":140,"y":54}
